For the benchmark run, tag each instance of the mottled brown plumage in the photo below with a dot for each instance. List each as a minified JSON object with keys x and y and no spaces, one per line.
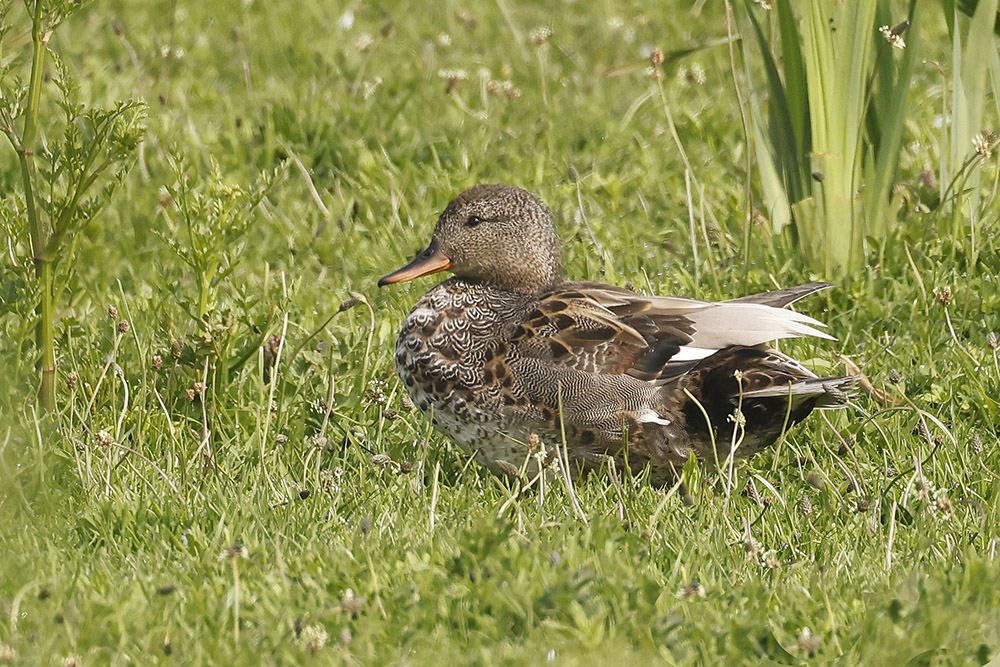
{"x":506,"y":349}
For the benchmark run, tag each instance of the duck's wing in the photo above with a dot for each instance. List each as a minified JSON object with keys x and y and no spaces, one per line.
{"x":780,"y":298}
{"x":609,"y":330}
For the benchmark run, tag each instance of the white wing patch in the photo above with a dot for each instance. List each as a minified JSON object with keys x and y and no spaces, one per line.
{"x":692,"y":353}
{"x":721,"y":325}
{"x":648,"y":416}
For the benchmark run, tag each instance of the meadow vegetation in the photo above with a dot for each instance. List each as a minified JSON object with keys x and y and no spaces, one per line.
{"x":230,"y":473}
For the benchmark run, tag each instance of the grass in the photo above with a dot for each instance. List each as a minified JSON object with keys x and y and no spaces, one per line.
{"x":178,"y":507}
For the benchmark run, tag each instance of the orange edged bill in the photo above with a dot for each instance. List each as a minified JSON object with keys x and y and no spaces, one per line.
{"x":429,"y":261}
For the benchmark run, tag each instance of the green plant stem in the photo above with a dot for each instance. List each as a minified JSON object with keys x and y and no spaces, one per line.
{"x":43,"y":267}
{"x":46,"y":337}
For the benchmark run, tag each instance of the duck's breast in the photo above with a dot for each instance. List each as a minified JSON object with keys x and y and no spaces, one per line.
{"x":442,"y":351}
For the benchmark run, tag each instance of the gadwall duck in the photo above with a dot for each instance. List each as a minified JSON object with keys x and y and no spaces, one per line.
{"x":511,"y":361}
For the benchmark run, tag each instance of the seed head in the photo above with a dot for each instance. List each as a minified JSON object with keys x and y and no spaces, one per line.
{"x":370,"y":86}
{"x":941,"y":502}
{"x":364,"y":42}
{"x":383,"y":461}
{"x":190,"y":395}
{"x":72,"y":379}
{"x":923,"y":431}
{"x":366,"y":527}
{"x":328,"y":482}
{"x":313,"y":637}
{"x":976,"y":444}
{"x":503,"y":87}
{"x":112,"y":312}
{"x":895,"y":377}
{"x":234,"y":551}
{"x":124,"y":326}
{"x":691,"y":591}
{"x":540,"y":36}
{"x":991,"y":340}
{"x":692,"y":76}
{"x":157,"y":362}
{"x":984,"y":142}
{"x":808,"y":642}
{"x":892,"y":37}
{"x":449,"y":75}
{"x":347,"y":304}
{"x":656,"y":56}
{"x":105,"y":439}
{"x":805,"y":506}
{"x":351,"y":603}
{"x":943,"y":295}
{"x":467,"y":17}
{"x":922,"y":488}
{"x":376,"y":392}
{"x":323,"y":443}
{"x":8,"y":654}
{"x":452,"y":76}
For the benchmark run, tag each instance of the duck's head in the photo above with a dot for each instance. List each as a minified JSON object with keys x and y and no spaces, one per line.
{"x":496,"y":234}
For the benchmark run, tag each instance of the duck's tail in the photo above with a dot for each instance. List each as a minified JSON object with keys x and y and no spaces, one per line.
{"x":761,"y":390}
{"x":830,"y":393}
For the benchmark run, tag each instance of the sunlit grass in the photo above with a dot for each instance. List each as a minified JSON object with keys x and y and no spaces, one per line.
{"x":234,"y":474}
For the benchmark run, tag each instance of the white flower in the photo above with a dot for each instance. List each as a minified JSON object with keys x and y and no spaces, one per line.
{"x":364,"y":42}
{"x":453,"y":74}
{"x":314,"y":637}
{"x":540,"y":36}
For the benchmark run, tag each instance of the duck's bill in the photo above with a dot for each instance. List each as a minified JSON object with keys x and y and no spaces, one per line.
{"x":429,"y":261}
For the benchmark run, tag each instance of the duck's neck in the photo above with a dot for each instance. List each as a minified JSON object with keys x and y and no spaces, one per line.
{"x":526,"y":280}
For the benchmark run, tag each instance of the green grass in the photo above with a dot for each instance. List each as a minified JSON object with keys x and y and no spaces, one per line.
{"x":875,"y":534}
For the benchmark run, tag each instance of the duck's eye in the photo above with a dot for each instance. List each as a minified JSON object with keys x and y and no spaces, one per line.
{"x":473,"y":221}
